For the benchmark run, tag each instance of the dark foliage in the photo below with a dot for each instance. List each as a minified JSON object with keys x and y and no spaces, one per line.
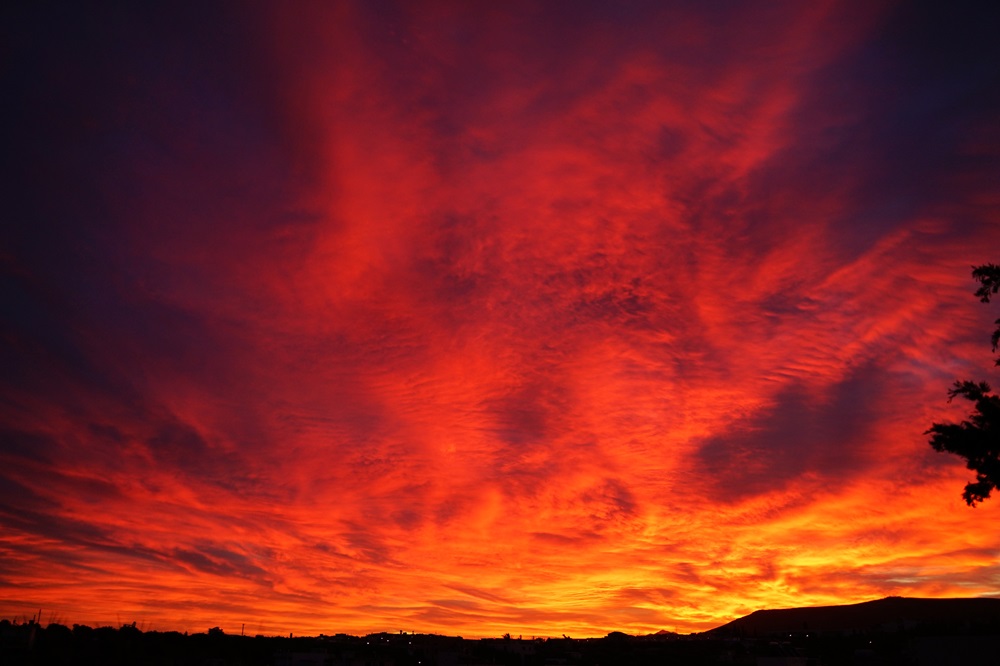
{"x":976,"y":439}
{"x":989,"y":277}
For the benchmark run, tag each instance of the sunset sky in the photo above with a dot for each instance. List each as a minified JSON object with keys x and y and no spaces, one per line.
{"x":486,"y":317}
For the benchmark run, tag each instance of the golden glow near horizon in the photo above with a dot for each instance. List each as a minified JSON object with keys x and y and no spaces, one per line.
{"x":475,"y":323}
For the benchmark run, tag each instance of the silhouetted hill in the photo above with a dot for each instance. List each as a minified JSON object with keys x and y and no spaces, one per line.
{"x":890,"y":614}
{"x":664,"y":632}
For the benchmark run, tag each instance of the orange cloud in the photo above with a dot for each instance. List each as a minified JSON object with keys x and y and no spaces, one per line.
{"x":476,"y":322}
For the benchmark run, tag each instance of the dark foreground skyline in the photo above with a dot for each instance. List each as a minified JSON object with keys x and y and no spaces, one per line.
{"x":895,"y":631}
{"x":474,"y":317}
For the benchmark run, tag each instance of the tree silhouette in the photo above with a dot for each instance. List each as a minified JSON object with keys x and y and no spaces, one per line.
{"x":989,"y":277}
{"x":976,"y":439}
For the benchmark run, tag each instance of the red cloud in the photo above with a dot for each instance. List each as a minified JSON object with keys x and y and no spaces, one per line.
{"x":507,"y":321}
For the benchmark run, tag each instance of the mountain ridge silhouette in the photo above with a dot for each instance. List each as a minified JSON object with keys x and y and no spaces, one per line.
{"x":890,"y":613}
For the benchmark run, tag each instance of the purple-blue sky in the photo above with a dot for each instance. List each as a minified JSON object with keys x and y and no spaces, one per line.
{"x":537,"y":318}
